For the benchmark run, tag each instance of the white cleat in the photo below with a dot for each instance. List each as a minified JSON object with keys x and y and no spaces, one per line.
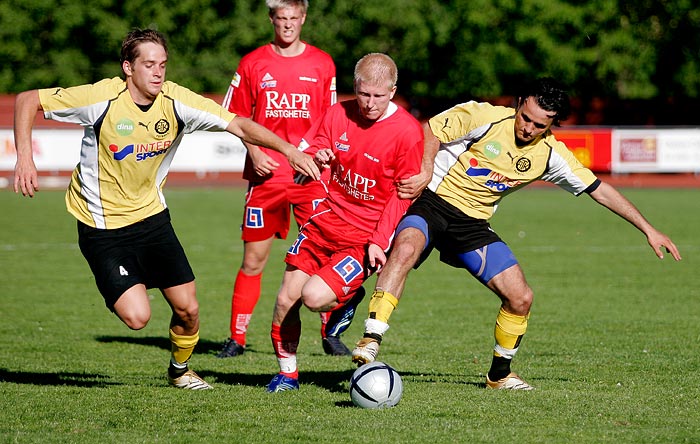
{"x":510,"y":382}
{"x":365,"y":351}
{"x":189,"y":381}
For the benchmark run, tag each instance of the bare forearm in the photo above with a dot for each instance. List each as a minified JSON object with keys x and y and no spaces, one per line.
{"x":612,"y":199}
{"x":26,"y":106}
{"x":256,"y":134}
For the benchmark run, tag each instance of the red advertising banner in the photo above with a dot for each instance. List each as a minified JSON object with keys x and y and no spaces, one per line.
{"x":591,"y":146}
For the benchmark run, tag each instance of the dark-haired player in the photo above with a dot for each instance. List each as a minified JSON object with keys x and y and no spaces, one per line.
{"x":475,"y":154}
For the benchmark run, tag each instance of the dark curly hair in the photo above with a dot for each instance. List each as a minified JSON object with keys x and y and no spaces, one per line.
{"x":550,"y":95}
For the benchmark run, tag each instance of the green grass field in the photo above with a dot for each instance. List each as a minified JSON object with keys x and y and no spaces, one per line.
{"x":612,"y":345}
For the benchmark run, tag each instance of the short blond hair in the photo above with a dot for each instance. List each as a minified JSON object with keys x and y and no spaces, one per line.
{"x":274,"y":5}
{"x":376,"y":68}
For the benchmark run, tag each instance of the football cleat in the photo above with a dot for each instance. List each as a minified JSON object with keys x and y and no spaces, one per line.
{"x":332,"y":345}
{"x":365,"y":351}
{"x":190,"y":381}
{"x":281,"y":383}
{"x":231,"y":349}
{"x":510,"y":382}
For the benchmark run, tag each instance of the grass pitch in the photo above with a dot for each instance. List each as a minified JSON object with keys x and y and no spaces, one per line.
{"x":612,"y":345}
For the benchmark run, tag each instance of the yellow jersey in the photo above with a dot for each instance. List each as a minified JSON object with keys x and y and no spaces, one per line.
{"x":479,"y":162}
{"x":126,"y":152}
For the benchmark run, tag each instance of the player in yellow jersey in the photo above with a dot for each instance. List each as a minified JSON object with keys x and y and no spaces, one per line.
{"x":132,"y":130}
{"x":475,"y":154}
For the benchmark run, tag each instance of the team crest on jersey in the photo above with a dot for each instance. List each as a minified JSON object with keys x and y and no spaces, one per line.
{"x":523,"y":164}
{"x":161,"y":127}
{"x":254,"y":217}
{"x":348,"y":269}
{"x":268,"y":81}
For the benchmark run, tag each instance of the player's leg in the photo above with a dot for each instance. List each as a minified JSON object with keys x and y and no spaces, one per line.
{"x":497,"y":268}
{"x":184,"y":335}
{"x":305,"y":198}
{"x":410,"y":241}
{"x":286,"y":330}
{"x":266,"y":217}
{"x":246,"y":294}
{"x":133,"y":307}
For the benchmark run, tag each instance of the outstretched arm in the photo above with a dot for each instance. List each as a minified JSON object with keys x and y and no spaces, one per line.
{"x":254,"y":133}
{"x":610,"y":198}
{"x":410,"y":188}
{"x":26,"y":106}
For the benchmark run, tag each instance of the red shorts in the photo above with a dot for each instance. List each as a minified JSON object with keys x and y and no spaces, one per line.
{"x":268,"y":208}
{"x":335,"y":251}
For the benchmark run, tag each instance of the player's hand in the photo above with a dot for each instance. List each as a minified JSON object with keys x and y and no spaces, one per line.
{"x":304,"y":164}
{"x":324,"y":157}
{"x":410,"y":188}
{"x":263,"y":164}
{"x":659,"y":242}
{"x":375,"y":256}
{"x":26,"y":178}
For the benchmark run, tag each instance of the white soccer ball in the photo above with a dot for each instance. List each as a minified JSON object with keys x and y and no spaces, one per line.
{"x":375,"y":386}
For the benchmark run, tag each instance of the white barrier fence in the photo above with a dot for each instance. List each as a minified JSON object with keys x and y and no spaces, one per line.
{"x":632,"y":150}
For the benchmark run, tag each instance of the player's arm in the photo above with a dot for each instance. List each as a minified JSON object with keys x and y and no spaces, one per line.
{"x":254,"y":133}
{"x":26,"y":106}
{"x":606,"y":195}
{"x":410,"y":188}
{"x":263,"y":164}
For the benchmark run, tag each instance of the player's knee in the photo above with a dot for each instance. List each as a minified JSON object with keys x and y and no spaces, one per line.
{"x":136,"y":320}
{"x":405,"y":252}
{"x":522,"y":302}
{"x":318,"y":301}
{"x":188,"y":314}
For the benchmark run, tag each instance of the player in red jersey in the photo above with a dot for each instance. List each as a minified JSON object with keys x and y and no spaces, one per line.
{"x":284,"y":86}
{"x":369,"y":144}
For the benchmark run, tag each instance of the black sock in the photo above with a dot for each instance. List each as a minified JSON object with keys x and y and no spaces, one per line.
{"x":175,"y":372}
{"x":500,"y":368}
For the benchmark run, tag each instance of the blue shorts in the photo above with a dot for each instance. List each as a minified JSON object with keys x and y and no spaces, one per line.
{"x":463,"y":241}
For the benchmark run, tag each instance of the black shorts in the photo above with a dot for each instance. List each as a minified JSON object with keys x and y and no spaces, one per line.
{"x":147,"y":252}
{"x":450,"y":231}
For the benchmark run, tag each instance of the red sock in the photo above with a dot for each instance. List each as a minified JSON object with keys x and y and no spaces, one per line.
{"x":246,"y":293}
{"x":325,"y":315}
{"x":285,"y":340}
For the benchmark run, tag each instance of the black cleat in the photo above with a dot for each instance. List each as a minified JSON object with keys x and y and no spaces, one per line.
{"x":332,"y":345}
{"x":231,"y":349}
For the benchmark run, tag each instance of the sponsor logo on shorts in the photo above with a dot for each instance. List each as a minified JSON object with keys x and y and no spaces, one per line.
{"x":294,"y":248}
{"x":254,"y":217}
{"x":348,"y":269}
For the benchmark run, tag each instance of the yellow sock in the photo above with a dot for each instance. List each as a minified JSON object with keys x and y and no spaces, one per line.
{"x":382,"y":305}
{"x":509,"y":330}
{"x":182,"y":346}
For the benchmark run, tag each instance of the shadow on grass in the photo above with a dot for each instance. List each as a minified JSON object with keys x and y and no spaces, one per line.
{"x":61,"y":378}
{"x":204,"y":347}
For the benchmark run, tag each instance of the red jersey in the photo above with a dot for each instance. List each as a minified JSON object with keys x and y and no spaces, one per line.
{"x":283,"y":94}
{"x":370,"y":158}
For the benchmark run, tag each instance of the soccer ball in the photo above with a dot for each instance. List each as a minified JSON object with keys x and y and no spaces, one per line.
{"x":375,"y":386}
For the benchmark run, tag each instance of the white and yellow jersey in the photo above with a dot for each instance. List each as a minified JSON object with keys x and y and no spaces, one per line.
{"x":126,"y":152}
{"x":479,"y":163}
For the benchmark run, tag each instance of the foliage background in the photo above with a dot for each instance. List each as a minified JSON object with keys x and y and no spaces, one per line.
{"x":640,"y":60}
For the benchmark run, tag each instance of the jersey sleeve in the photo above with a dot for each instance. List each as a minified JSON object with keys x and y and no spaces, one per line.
{"x":239,"y":97}
{"x":565,"y":170}
{"x":83,"y":104}
{"x":198,"y":112}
